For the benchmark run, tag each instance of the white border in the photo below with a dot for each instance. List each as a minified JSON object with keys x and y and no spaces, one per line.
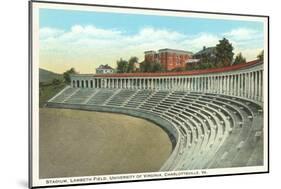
{"x":97,"y":179}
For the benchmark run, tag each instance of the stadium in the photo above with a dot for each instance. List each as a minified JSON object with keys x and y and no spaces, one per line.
{"x":213,"y":117}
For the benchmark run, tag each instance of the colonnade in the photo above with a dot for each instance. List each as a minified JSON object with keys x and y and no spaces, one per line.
{"x":248,"y":84}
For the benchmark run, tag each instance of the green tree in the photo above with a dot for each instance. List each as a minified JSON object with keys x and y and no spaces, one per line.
{"x":66,"y":74}
{"x":56,"y":81}
{"x":224,"y":53}
{"x":157,"y":67}
{"x":122,"y":66}
{"x":260,"y":55}
{"x":239,"y":59}
{"x":147,"y":66}
{"x":131,"y":64}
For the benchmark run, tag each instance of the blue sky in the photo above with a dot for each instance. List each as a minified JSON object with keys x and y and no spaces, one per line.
{"x":132,"y":23}
{"x":66,"y":35}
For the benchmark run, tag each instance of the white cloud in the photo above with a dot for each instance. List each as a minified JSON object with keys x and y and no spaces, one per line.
{"x":243,"y":34}
{"x":107,"y":45}
{"x":49,"y":32}
{"x":196,"y":42}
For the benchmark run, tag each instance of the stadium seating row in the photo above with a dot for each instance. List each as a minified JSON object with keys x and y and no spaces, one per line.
{"x":215,"y":131}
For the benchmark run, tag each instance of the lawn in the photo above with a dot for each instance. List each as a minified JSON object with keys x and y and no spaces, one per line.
{"x":47,"y":91}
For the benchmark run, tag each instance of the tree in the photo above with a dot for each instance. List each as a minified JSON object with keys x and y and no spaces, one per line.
{"x":122,"y":66}
{"x":147,"y":66}
{"x":131,"y":64}
{"x":56,"y":81}
{"x":157,"y":67}
{"x":260,"y":55}
{"x":224,"y":53}
{"x":66,"y":74}
{"x":239,"y":59}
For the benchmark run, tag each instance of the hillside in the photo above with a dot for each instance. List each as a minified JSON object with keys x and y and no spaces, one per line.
{"x":47,"y":89}
{"x":47,"y":76}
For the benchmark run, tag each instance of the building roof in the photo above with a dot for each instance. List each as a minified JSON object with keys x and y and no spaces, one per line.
{"x":207,"y":50}
{"x":149,"y":52}
{"x":175,"y":51}
{"x":105,"y":67}
{"x":178,"y":51}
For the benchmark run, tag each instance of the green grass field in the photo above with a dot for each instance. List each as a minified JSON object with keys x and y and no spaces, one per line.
{"x":84,"y":143}
{"x":47,"y":91}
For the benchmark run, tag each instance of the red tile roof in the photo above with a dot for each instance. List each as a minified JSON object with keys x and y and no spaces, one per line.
{"x":192,"y":72}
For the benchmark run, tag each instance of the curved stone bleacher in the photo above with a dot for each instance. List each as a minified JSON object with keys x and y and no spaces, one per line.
{"x":213,"y":130}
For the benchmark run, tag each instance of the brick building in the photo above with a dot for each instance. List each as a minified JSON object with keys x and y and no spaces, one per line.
{"x":168,"y":58}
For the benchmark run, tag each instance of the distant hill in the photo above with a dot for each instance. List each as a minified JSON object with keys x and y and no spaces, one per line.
{"x":48,"y":76}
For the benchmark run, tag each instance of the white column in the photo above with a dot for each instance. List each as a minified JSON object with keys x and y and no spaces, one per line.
{"x":191,"y":83}
{"x":223,"y":84}
{"x":249,"y":85}
{"x":209,"y":84}
{"x":245,"y":85}
{"x":196,"y":83}
{"x":202,"y":83}
{"x":199,"y":84}
{"x":220,"y":84}
{"x":206,"y":83}
{"x":188,"y":83}
{"x":256,"y":85}
{"x":252,"y":85}
{"x":233,"y":85}
{"x":227,"y":84}
{"x":214,"y":88}
{"x":260,"y":86}
{"x":238,"y":85}
{"x":230,"y":85}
